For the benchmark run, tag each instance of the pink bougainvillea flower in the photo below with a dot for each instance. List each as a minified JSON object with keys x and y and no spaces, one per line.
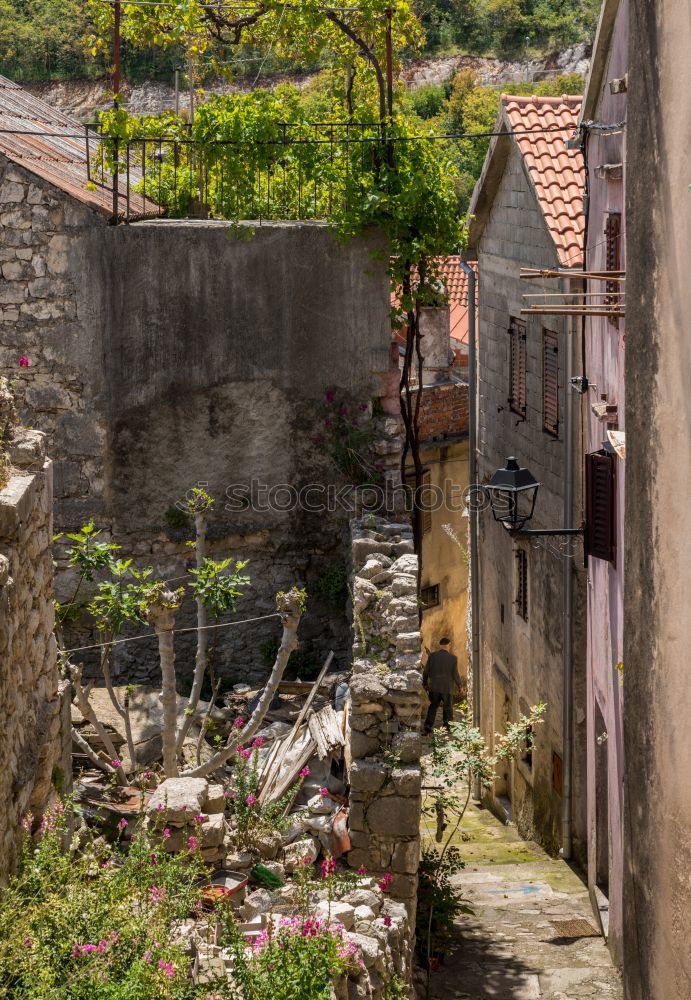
{"x":245,"y":753}
{"x":116,"y":762}
{"x":102,"y":946}
{"x":258,"y":742}
{"x":153,"y":858}
{"x":305,"y":772}
{"x":199,"y":819}
{"x":122,"y":823}
{"x":192,"y":843}
{"x":148,"y":774}
{"x":166,"y":833}
{"x":239,"y":723}
{"x":250,"y":800}
{"x":324,"y":792}
{"x":362,"y":871}
{"x":385,"y":882}
{"x":387,"y":921}
{"x":159,"y":807}
{"x":157,"y":893}
{"x":23,"y":361}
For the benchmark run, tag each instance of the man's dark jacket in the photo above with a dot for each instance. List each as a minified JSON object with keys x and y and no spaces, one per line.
{"x":441,"y":672}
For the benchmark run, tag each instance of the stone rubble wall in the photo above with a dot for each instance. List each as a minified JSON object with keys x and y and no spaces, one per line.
{"x":151,"y":380}
{"x":32,"y":699}
{"x":384,"y":742}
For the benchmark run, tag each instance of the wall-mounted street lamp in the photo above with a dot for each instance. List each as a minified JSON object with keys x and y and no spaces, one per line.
{"x":512,"y":494}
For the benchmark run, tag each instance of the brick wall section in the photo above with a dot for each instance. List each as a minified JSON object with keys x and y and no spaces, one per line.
{"x":443,"y":411}
{"x":32,"y":699}
{"x":383,"y":740}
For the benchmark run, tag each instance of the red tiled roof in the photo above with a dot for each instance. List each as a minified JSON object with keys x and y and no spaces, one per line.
{"x":557,"y":173}
{"x":51,"y":145}
{"x":456,"y":284}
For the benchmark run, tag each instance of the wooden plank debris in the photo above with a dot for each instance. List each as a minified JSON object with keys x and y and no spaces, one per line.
{"x":325,"y":730}
{"x":284,"y":766}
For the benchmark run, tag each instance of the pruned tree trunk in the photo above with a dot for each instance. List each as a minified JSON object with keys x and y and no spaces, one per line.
{"x":162,"y":617}
{"x":87,"y":711}
{"x":200,"y":661}
{"x":123,"y":711}
{"x":290,"y":607}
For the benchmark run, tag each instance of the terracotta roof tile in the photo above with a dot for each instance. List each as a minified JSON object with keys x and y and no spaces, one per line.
{"x":51,"y":145}
{"x":557,"y":173}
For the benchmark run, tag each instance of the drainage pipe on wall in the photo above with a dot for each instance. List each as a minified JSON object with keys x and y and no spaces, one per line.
{"x":473,"y":499}
{"x":567,"y":569}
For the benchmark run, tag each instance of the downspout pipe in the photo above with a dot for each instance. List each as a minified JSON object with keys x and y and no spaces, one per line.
{"x":567,"y":570}
{"x":473,"y":500}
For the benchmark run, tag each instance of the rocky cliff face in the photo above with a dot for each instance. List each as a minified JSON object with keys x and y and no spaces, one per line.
{"x":83,"y":98}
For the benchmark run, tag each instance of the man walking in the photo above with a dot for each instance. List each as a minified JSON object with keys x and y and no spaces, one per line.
{"x":440,"y":677}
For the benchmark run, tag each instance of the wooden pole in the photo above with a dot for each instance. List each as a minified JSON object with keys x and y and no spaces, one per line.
{"x":389,"y":64}
{"x":116,"y":95}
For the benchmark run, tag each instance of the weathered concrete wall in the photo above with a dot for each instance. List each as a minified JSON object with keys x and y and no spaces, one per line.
{"x":521,"y":661}
{"x":30,"y":694}
{"x":657,"y":623}
{"x":445,"y":549}
{"x":163,"y":355}
{"x":383,"y":738}
{"x":605,"y":347}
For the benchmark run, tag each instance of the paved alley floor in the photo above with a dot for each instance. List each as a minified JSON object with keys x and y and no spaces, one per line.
{"x":533,"y":935}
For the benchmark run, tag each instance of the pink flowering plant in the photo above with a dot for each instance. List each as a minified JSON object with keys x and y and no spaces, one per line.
{"x":95,"y":921}
{"x":253,"y":818}
{"x":348,"y":435}
{"x":296,"y":960}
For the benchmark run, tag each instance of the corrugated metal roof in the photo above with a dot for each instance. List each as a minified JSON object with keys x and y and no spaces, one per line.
{"x":53,"y":146}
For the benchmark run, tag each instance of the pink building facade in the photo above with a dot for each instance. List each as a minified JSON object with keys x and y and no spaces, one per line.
{"x":604,"y":450}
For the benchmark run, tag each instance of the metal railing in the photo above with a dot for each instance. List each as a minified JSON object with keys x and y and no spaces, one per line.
{"x":297,"y":171}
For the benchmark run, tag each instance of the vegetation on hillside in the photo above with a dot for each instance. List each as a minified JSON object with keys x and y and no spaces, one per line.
{"x":49,"y":39}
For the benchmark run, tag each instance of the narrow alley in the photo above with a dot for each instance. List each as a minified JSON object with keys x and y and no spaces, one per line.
{"x":533,"y":935}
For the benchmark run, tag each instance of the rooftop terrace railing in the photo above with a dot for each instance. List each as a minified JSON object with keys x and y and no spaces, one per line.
{"x":298,"y":172}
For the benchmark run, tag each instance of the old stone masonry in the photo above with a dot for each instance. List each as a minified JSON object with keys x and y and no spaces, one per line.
{"x":385,"y":692}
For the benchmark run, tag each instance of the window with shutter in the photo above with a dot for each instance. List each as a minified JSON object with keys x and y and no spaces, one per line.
{"x":550,"y":382}
{"x":429,"y":596}
{"x":521,"y":601}
{"x":612,"y":259}
{"x":517,"y":366}
{"x":600,"y":506}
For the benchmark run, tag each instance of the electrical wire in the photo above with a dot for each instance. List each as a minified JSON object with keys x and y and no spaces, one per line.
{"x":174,"y":631}
{"x":268,"y":51}
{"x":254,"y":142}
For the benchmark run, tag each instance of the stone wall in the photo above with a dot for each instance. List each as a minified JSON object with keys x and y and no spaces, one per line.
{"x":32,"y":699}
{"x":164,"y":355}
{"x":384,"y":741}
{"x":521,"y":659}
